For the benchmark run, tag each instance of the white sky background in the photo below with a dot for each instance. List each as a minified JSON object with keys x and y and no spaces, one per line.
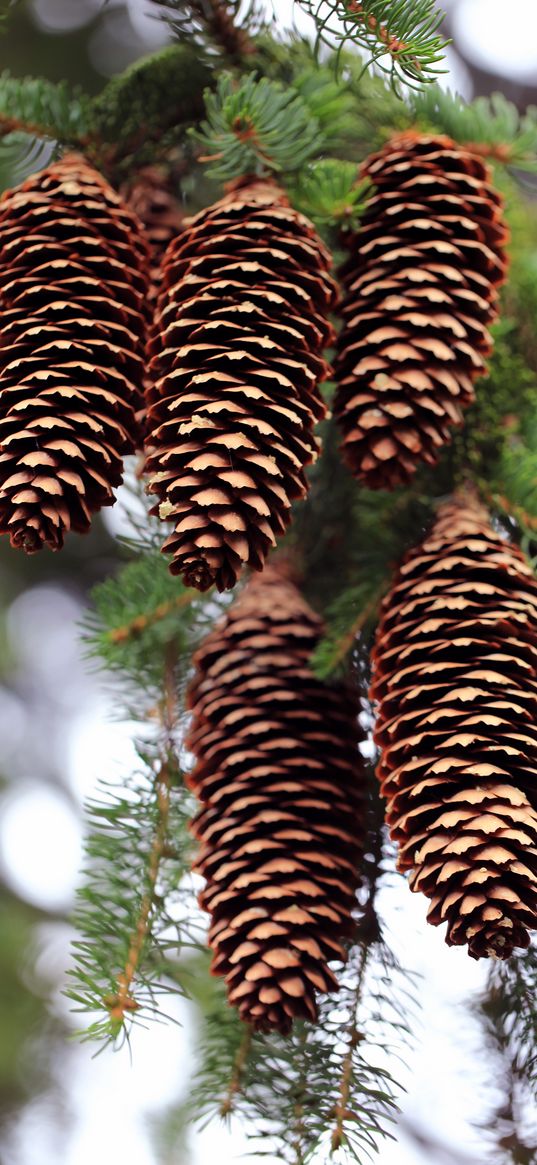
{"x":109,"y":1099}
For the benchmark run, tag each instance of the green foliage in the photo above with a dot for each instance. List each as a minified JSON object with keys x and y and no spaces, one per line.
{"x":254,"y":126}
{"x":331,"y":103}
{"x":400,"y":38}
{"x":43,"y":108}
{"x":138,"y":847}
{"x":136,"y":615}
{"x":329,"y":192}
{"x":493,"y":122}
{"x":161,"y":91}
{"x":34,"y":114}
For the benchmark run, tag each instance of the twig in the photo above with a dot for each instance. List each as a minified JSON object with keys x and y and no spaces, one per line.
{"x":140,"y":623}
{"x":239,"y":1065}
{"x":346,"y":643}
{"x":341,"y":1111}
{"x":123,"y":1001}
{"x":298,"y":1108}
{"x":234,"y":40}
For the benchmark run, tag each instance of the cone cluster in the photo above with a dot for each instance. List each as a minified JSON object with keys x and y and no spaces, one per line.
{"x":420,"y":282}
{"x":281,"y":825}
{"x":455,"y":677}
{"x":72,"y":333}
{"x":240,"y":328}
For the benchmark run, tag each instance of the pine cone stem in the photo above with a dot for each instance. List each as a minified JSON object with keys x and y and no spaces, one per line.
{"x":235,"y":1083}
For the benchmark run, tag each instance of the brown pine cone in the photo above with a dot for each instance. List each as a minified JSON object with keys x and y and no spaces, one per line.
{"x":281,"y":826}
{"x":455,"y":677}
{"x":420,"y":285}
{"x":72,"y":334}
{"x":240,"y":329}
{"x":150,"y":196}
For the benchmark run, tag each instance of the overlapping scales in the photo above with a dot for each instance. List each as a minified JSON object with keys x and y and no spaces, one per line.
{"x":420,"y":282}
{"x":455,"y":678}
{"x":240,"y":330}
{"x":281,"y":825}
{"x":72,"y":335}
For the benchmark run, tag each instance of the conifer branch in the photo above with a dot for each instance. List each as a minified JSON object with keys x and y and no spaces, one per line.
{"x":492,"y":126}
{"x":137,"y":625}
{"x":353,"y":1037}
{"x":123,"y":1000}
{"x":138,"y":847}
{"x":401,"y":39}
{"x":256,"y":125}
{"x":236,"y":1078}
{"x":42,"y":108}
{"x":507,"y":1009}
{"x":337,"y":644}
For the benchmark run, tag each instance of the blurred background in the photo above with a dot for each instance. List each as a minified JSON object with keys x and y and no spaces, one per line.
{"x":57,"y":1103}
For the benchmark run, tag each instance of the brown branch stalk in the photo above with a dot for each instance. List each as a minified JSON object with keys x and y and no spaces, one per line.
{"x":122,"y":1001}
{"x":140,"y":623}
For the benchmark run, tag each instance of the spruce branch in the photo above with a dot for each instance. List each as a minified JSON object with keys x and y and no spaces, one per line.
{"x":139,"y":623}
{"x":400,"y":38}
{"x":254,"y":126}
{"x":237,"y":1074}
{"x":136,"y":909}
{"x":42,"y":108}
{"x":492,"y":126}
{"x":328,"y":191}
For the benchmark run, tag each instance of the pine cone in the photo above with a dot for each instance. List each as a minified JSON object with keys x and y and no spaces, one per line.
{"x":239,"y":334}
{"x":150,"y":196}
{"x":421,"y":294}
{"x":282,"y":821}
{"x":72,"y":338}
{"x":455,"y":674}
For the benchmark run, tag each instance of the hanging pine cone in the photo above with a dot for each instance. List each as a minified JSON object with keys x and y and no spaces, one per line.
{"x":455,"y":674}
{"x":72,"y":327}
{"x":282,"y":787}
{"x":421,"y":285}
{"x":238,"y":341}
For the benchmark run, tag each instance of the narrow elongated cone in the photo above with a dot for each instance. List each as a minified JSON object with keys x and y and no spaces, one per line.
{"x":240,"y":328}
{"x":420,"y":282}
{"x":72,"y":334}
{"x":455,"y":678}
{"x":281,"y":783}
